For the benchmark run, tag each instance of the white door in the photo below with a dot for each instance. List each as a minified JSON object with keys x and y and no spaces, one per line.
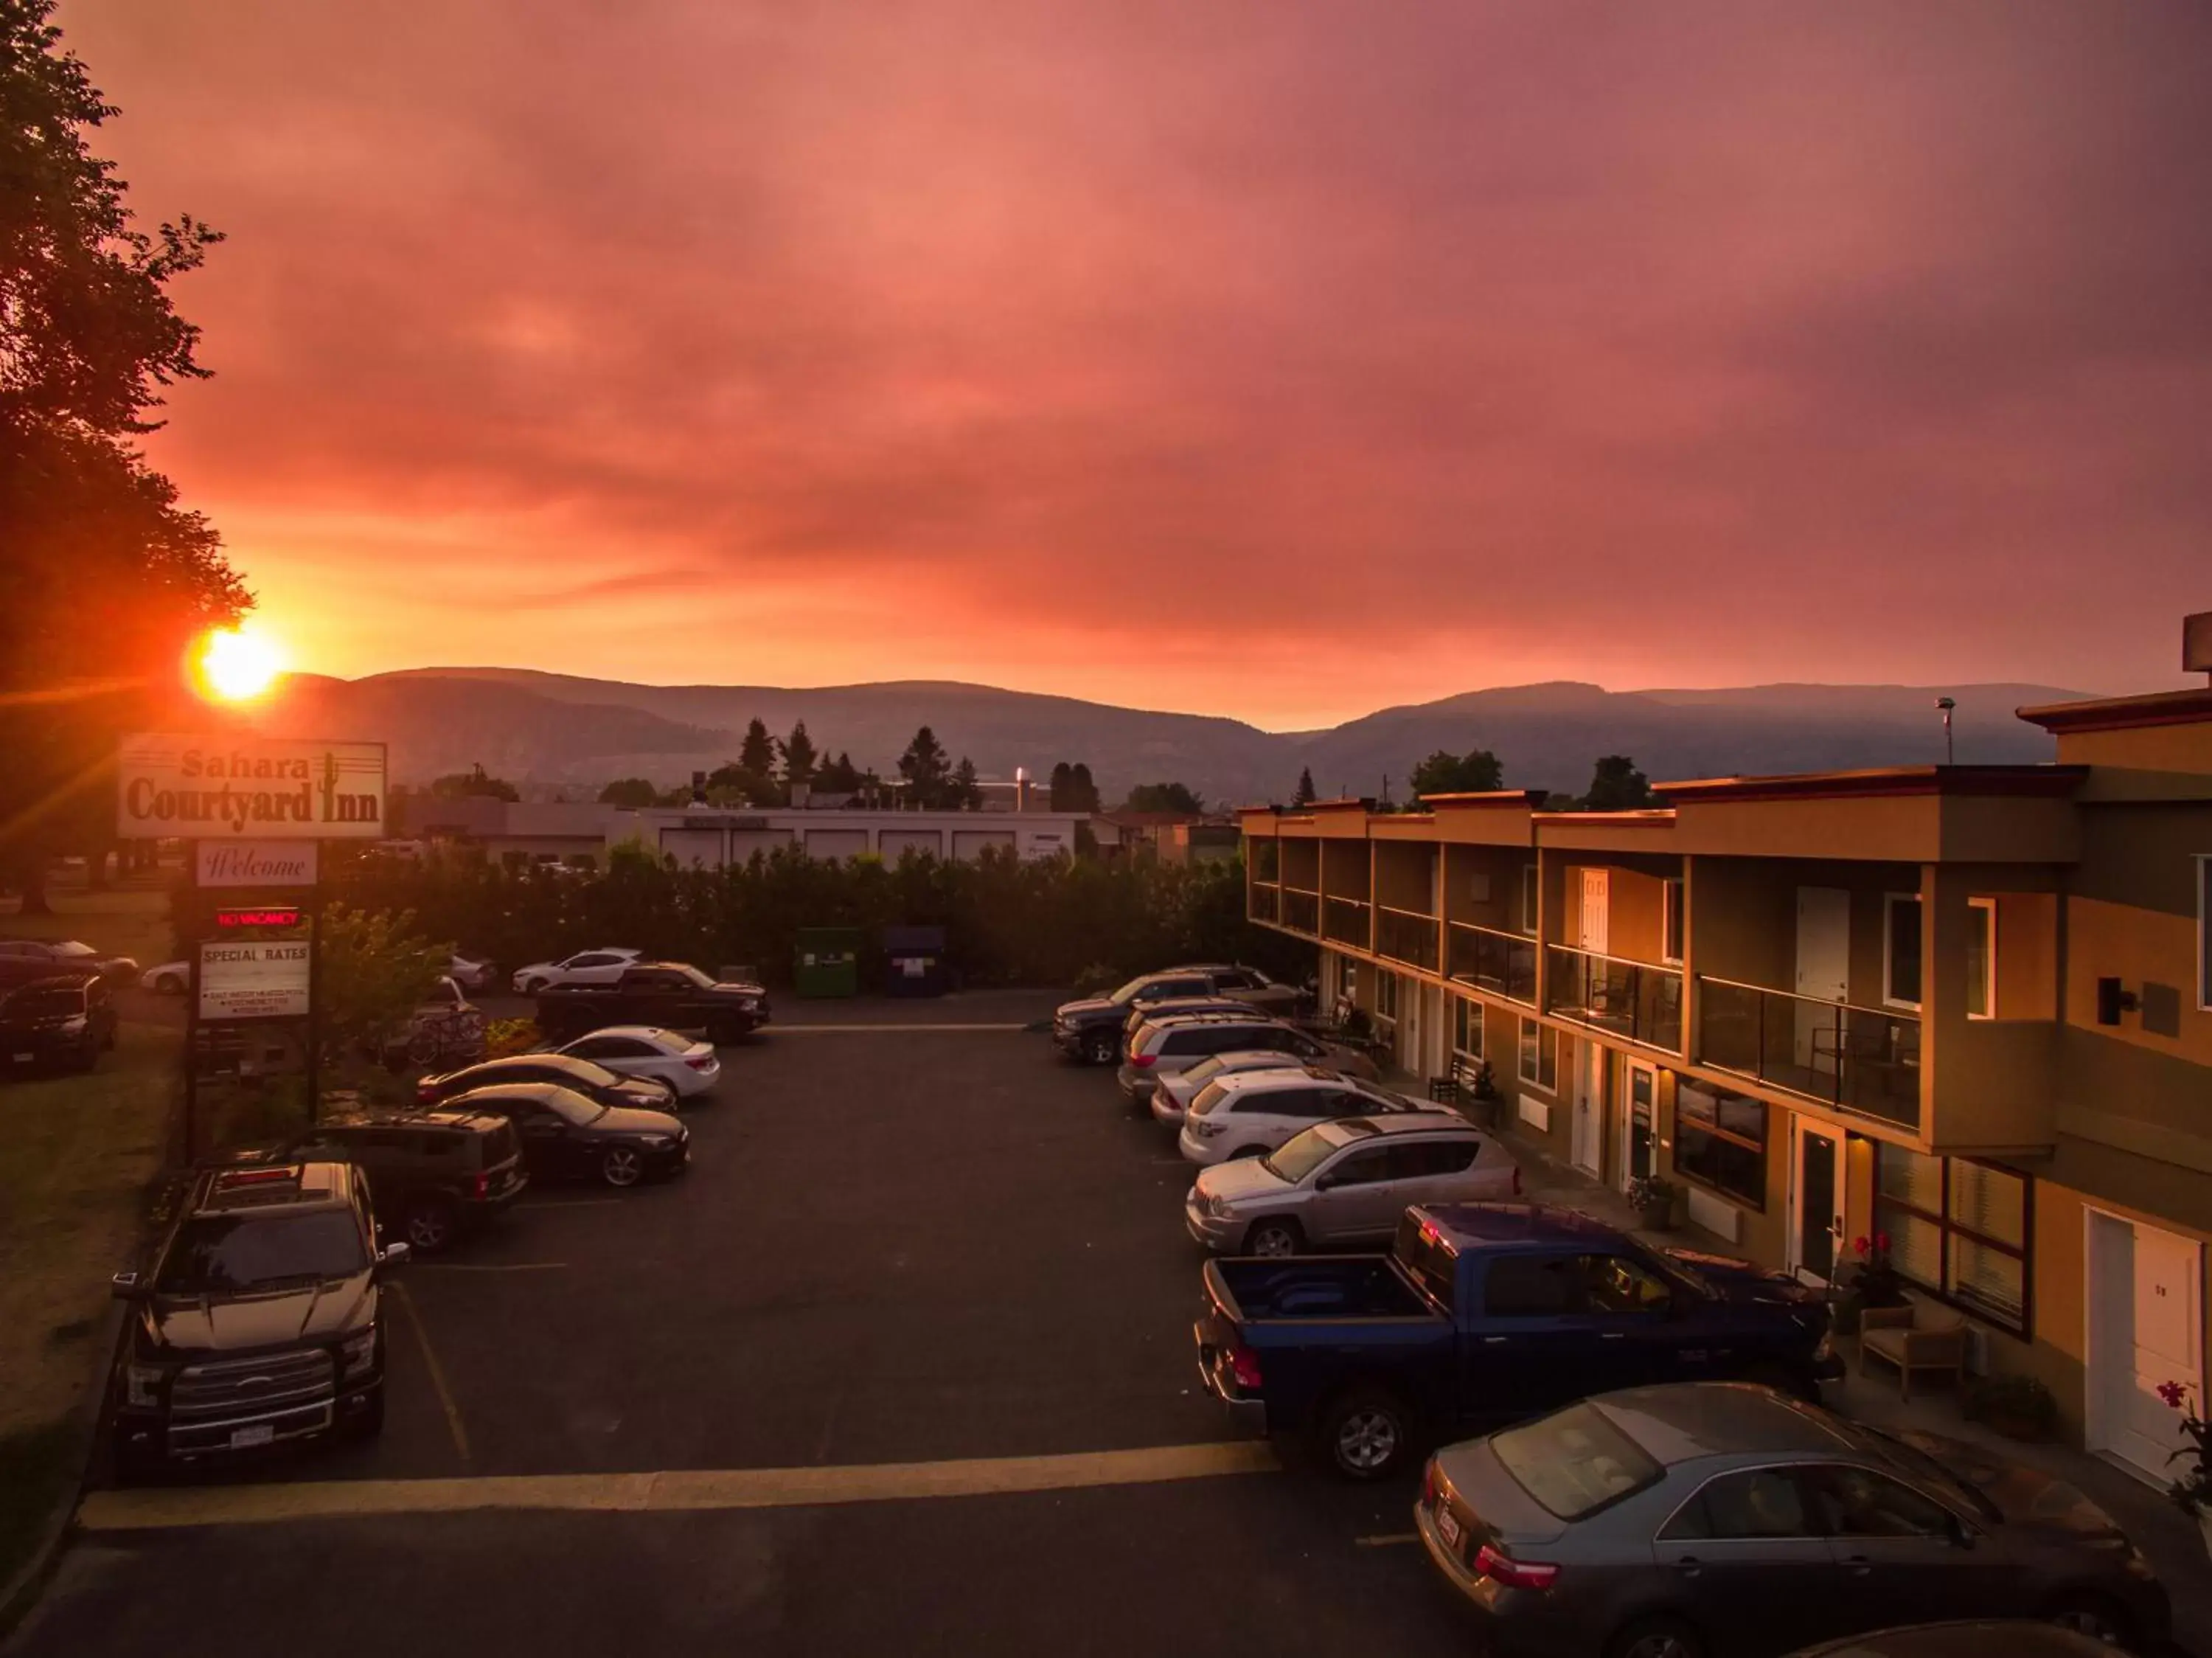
{"x":1590,"y":1107}
{"x":1816,"y":1199}
{"x":1410,"y":1025}
{"x":1595,"y":929}
{"x":1824,"y":972}
{"x":2144,"y":1331}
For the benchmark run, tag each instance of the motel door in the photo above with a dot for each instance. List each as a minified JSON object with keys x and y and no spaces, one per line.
{"x":1816,"y":1200}
{"x":2145,"y":1329}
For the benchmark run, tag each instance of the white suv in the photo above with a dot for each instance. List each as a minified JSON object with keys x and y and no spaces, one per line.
{"x":585,"y":967}
{"x":1255,"y":1111}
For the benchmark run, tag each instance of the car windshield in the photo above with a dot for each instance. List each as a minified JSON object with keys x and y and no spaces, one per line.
{"x":573,"y":1107}
{"x":1206,"y":1069}
{"x":1301,"y":1155}
{"x":1575,"y":1461}
{"x":1121,"y":998}
{"x":1918,"y":1465}
{"x":43,"y":1004}
{"x":70,"y":947}
{"x":588,"y":1072}
{"x":703,"y":980}
{"x":232,"y":1254}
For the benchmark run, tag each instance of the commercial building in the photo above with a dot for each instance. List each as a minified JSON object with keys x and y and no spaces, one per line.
{"x":1967,"y":1008}
{"x":712,"y":838}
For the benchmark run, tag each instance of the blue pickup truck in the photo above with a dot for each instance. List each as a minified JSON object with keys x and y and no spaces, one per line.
{"x":1483,"y":1314}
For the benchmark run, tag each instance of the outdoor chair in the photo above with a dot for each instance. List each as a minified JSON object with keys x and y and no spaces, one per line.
{"x":1891,"y":1334}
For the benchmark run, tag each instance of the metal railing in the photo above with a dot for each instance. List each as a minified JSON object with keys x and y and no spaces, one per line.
{"x":1503,"y":964}
{"x":1344,"y":920}
{"x":1639,"y":1000}
{"x":1267,"y":902}
{"x":1301,"y":912}
{"x":1406,"y":936}
{"x":1861,"y":1060}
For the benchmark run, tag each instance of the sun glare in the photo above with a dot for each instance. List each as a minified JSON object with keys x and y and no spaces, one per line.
{"x":236,"y":665}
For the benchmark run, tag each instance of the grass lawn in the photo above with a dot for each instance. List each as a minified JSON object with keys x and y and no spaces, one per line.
{"x":130,"y":918}
{"x":81,"y":1149}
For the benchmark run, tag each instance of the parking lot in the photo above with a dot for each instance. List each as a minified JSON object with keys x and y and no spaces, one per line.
{"x":917,"y":1253}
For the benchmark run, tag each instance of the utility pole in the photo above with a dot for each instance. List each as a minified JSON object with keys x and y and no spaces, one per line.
{"x":1947,"y":704}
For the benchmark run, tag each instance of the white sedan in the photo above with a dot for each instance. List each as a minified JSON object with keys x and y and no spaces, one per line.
{"x":169,"y":979}
{"x":585,"y":967}
{"x":688,"y":1067}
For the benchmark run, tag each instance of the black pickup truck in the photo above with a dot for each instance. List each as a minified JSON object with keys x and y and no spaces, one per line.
{"x":670,"y":994}
{"x":1482,"y":1314}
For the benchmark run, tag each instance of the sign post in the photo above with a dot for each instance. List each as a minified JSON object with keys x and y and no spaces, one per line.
{"x":255,"y":810}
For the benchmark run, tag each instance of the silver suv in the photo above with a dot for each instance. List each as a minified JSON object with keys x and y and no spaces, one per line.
{"x":1168,"y":1043}
{"x":1347,"y":1182}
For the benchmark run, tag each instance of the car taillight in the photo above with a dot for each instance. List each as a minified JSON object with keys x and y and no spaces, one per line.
{"x":1244,"y":1366}
{"x":1429,"y":1484}
{"x":483,"y":1186}
{"x":1514,"y":1573}
{"x":700,"y":1061}
{"x":425,"y":1095}
{"x":1140,"y":1060}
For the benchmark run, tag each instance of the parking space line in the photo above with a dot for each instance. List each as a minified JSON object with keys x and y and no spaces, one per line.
{"x":488,"y":1267}
{"x":405,"y":1302}
{"x":680,"y":1491}
{"x":818,"y":1030}
{"x":1386,"y":1539}
{"x":571,"y":1202}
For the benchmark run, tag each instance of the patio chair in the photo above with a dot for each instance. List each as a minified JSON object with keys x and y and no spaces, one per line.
{"x":1892,"y":1335}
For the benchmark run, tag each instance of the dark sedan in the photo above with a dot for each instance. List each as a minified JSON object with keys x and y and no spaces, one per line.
{"x":594,"y":1081}
{"x":22,"y":959}
{"x":57,"y":1021}
{"x":1671,"y":1522}
{"x":566,"y":1136}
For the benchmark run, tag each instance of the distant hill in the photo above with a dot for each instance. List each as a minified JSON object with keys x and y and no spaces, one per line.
{"x":552,"y":729}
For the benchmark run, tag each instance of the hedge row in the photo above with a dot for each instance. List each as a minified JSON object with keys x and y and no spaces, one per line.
{"x":1008,"y":921}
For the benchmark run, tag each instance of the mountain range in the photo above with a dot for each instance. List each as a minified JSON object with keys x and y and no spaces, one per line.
{"x":557,"y":731}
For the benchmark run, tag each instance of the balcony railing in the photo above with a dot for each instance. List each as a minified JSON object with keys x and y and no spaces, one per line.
{"x":1344,"y":920}
{"x":1406,"y":936}
{"x":1267,"y":902}
{"x":1301,"y":912}
{"x":1861,"y":1060}
{"x":1503,"y":964}
{"x":1639,"y":1000}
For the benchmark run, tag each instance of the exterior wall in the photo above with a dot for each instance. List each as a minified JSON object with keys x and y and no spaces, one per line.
{"x":1482,"y":885}
{"x":713,"y":837}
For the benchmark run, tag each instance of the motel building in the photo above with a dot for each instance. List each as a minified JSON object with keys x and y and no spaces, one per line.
{"x":1965,"y":1006}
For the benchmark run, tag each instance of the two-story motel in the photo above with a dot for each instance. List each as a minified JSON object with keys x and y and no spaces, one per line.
{"x":1967,"y":1007}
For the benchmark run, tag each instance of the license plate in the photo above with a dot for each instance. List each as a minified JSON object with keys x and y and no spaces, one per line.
{"x":25,"y":1058}
{"x":1448,"y":1528}
{"x":260,"y":1433}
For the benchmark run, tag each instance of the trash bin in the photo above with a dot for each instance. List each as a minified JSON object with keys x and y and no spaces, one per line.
{"x":828,"y":962}
{"x":915,"y":959}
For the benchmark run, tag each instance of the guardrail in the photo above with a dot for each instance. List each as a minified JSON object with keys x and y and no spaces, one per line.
{"x":1301,"y":912}
{"x":1344,"y":920}
{"x":1406,"y":936}
{"x":1639,"y":1000}
{"x":1266,"y":902}
{"x":1503,"y":964}
{"x":1861,"y":1060}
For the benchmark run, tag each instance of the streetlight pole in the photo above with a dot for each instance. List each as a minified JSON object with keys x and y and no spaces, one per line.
{"x":1946,"y":705}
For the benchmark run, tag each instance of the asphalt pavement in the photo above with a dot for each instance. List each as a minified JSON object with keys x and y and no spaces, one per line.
{"x":902,"y":1364}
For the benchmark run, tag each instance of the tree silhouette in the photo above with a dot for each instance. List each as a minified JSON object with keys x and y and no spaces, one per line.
{"x":1443,"y":773}
{"x":799,"y":755}
{"x":1617,"y":786}
{"x":926,"y":767}
{"x":1303,"y":794}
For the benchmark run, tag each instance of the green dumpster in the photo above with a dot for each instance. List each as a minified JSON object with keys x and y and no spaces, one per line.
{"x":827,"y":961}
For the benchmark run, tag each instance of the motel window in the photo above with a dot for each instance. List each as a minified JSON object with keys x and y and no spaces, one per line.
{"x":1386,"y":996}
{"x":1720,"y":1142}
{"x":1981,"y":957}
{"x":1900,"y":950}
{"x":1958,"y":1229}
{"x":1466,"y":1027}
{"x":1671,"y":917}
{"x":1530,"y":889}
{"x":1539,"y":1055}
{"x":2204,"y":931}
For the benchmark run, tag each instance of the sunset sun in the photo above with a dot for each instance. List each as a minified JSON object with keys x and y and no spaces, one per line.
{"x":238,"y":664}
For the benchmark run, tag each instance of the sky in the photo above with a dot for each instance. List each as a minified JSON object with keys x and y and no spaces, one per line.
{"x":1276,"y":361}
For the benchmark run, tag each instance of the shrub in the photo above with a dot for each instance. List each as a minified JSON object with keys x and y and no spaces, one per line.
{"x":1098,"y":979}
{"x":505,"y":1036}
{"x":2019,"y":1407}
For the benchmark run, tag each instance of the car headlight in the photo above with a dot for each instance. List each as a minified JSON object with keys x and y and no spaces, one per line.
{"x":1216,"y":1205}
{"x":142,"y":1384}
{"x":358,"y":1352}
{"x":74,"y":1025}
{"x":656,"y":1142}
{"x":1205,"y":1128}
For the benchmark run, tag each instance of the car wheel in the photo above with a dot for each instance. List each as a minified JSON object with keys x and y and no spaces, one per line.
{"x":1367,"y":1435}
{"x":2095,"y":1616}
{"x":169,"y":985}
{"x":430,"y":1226}
{"x":622,"y":1166}
{"x":1655,"y":1637}
{"x":1273,"y":1238}
{"x":1098,"y":1050}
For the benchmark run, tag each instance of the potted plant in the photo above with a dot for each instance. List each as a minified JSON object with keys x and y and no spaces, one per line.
{"x":1654,"y":1200}
{"x":1873,"y":1282}
{"x":2193,"y":1488}
{"x":2019,"y":1407}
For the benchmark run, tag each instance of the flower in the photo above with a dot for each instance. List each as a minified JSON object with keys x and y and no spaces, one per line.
{"x":1881,"y":1241}
{"x":1859,"y":1244}
{"x":2174,"y":1393}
